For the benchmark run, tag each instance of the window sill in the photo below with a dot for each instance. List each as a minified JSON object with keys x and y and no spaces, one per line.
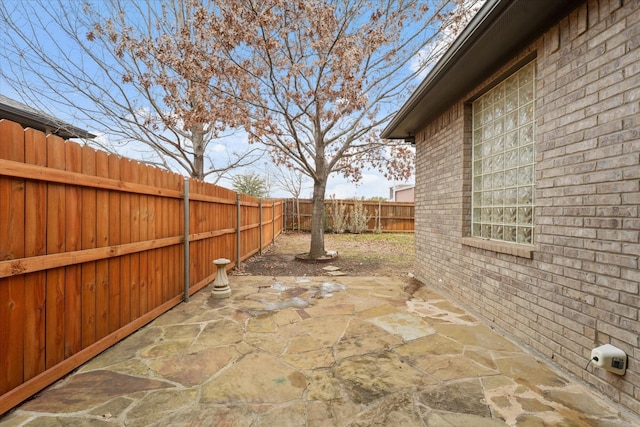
{"x":523,"y":251}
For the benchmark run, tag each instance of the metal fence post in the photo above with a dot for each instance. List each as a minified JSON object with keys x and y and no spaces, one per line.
{"x":260,"y":221}
{"x":239,"y":230}
{"x":186,"y":239}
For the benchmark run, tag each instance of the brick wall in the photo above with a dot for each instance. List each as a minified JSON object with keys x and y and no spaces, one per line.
{"x":579,"y":288}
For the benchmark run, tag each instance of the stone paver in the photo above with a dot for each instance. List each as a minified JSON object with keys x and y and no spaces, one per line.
{"x":324,"y":351}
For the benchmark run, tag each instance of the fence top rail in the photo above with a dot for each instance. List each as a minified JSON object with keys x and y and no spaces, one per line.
{"x":46,"y":174}
{"x":15,"y":169}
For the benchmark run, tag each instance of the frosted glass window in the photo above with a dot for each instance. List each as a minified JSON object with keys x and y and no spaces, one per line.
{"x":504,"y":160}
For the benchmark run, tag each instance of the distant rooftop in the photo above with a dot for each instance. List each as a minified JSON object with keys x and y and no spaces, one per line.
{"x":27,"y":116}
{"x":402,"y":187}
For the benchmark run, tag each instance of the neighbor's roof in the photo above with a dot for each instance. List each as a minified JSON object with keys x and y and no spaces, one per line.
{"x":15,"y":111}
{"x":401,"y":187}
{"x":498,"y":31}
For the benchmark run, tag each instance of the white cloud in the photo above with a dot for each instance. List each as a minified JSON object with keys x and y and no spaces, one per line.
{"x":341,"y":191}
{"x":218,"y":148}
{"x":371,"y":178}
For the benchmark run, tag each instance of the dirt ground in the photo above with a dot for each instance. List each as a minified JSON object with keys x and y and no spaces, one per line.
{"x":368,"y":254}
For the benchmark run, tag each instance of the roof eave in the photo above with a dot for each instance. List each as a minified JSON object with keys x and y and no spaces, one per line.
{"x":444,"y":63}
{"x":498,"y":31}
{"x":40,"y":121}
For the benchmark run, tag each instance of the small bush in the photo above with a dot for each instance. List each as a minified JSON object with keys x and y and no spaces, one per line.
{"x":338,"y":215}
{"x":358,"y":218}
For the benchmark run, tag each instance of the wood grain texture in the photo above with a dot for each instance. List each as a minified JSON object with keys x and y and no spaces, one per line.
{"x":91,"y":246}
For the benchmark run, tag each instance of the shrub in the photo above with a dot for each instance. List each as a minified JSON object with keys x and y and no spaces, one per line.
{"x":337,"y":212}
{"x":358,"y":218}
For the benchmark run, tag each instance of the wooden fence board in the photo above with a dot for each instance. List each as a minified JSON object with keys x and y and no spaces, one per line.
{"x":175,"y":258}
{"x":114,"y":239}
{"x":134,"y":292}
{"x":155,"y":233}
{"x":56,"y":211}
{"x":155,"y":286}
{"x":73,"y":235}
{"x":102,"y":240}
{"x":146,"y":302}
{"x":163,"y":219}
{"x":202,"y":225}
{"x":154,"y":297}
{"x":194,"y":227}
{"x":156,"y":280}
{"x":35,"y":245}
{"x":88,"y":237}
{"x":180,"y":228}
{"x":125,"y":237}
{"x":12,"y":246}
{"x":203,"y":220}
{"x":211,"y":255}
{"x":12,"y":313}
{"x":92,"y":248}
{"x":162,"y":258}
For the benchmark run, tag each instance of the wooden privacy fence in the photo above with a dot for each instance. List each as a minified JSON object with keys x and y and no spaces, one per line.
{"x":395,"y":217}
{"x":92,"y":247}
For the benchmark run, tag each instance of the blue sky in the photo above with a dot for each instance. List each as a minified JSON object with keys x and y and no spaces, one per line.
{"x":372,"y":184}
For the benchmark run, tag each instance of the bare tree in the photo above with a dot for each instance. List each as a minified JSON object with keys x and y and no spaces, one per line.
{"x":292,"y":181}
{"x":320,"y":78}
{"x":111,"y":61}
{"x":312,"y":81}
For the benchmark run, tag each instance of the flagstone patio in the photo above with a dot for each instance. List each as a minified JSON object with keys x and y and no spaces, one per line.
{"x":321,"y":351}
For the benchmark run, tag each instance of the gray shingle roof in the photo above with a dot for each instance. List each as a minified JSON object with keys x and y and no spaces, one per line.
{"x":27,"y":116}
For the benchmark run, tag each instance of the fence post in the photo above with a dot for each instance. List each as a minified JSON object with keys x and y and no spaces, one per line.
{"x":186,"y":239}
{"x":260,"y":221}
{"x":273,"y":221}
{"x":284,"y":214}
{"x":379,"y":215}
{"x":239,"y":218}
{"x":295,"y":209}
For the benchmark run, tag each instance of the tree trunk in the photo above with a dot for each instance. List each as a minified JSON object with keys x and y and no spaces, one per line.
{"x":197,"y":139}
{"x":317,"y":220}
